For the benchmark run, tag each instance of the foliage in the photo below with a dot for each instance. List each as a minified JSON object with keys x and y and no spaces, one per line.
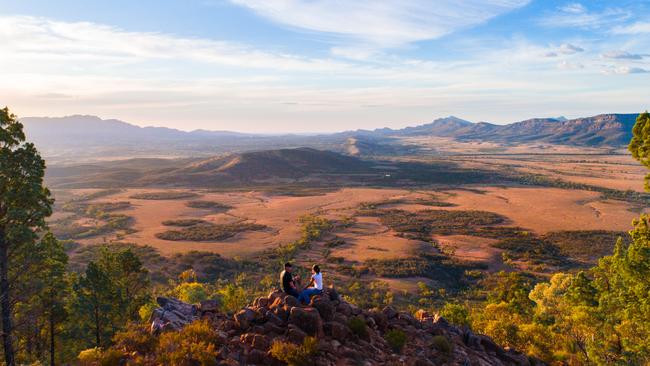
{"x":312,"y":227}
{"x":109,"y":294}
{"x":209,"y":232}
{"x":97,"y":357}
{"x":233,"y":297}
{"x":640,"y":143}
{"x":456,"y":314}
{"x":163,"y":195}
{"x":183,"y":222}
{"x":295,"y":355}
{"x":442,"y":344}
{"x":135,"y":338}
{"x":368,"y":295}
{"x":24,"y":205}
{"x":358,"y":327}
{"x":191,"y":292}
{"x":396,"y":339}
{"x":196,"y":344}
{"x":208,"y":205}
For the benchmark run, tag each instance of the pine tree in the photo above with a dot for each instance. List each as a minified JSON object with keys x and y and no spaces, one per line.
{"x":24,"y":205}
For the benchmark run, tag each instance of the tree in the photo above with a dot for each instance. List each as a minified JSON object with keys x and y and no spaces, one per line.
{"x":24,"y":205}
{"x":110,"y":293}
{"x":55,"y":288}
{"x":640,"y":144}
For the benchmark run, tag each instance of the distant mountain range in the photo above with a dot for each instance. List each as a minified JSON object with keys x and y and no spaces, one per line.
{"x":68,"y":136}
{"x":600,"y":130}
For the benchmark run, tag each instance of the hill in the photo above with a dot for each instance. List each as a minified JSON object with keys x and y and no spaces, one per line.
{"x":230,"y":169}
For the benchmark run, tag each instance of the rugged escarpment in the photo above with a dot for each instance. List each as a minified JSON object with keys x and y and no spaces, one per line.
{"x":344,"y":334}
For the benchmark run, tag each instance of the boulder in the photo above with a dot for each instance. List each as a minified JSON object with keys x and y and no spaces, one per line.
{"x":261,"y":342}
{"x":380,"y":319}
{"x":295,"y":334}
{"x":324,"y":306}
{"x":390,"y":312}
{"x":291,"y":301}
{"x":244,"y":318}
{"x":209,"y":306}
{"x":172,"y":314}
{"x":261,"y":302}
{"x":257,"y":357}
{"x":336,"y":330}
{"x":344,"y":308}
{"x":307,"y":319}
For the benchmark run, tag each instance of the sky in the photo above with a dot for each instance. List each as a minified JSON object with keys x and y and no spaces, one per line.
{"x":274,"y":66}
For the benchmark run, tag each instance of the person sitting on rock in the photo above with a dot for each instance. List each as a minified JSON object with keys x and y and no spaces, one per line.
{"x":315,"y":286}
{"x":289,"y":282}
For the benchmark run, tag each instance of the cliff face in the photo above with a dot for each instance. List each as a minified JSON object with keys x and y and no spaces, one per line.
{"x":345,"y":334}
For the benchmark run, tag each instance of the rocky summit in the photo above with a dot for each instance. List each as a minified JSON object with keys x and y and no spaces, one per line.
{"x":344,"y":334}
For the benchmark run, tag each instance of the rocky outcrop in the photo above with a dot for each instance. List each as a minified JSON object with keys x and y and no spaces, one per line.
{"x":172,"y":314}
{"x":430,"y":339}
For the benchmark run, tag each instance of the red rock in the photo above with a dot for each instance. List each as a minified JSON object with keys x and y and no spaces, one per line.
{"x":307,"y":319}
{"x":244,"y":318}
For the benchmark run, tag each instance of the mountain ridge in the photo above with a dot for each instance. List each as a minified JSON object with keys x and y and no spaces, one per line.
{"x":94,"y":136}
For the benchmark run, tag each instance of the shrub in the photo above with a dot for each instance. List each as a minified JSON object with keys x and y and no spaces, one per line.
{"x":456,"y":314}
{"x":97,"y":357}
{"x":358,"y":327}
{"x":183,"y":222}
{"x":208,"y":205}
{"x":442,"y":344}
{"x":233,"y":298}
{"x":208,"y":232}
{"x":89,"y":356}
{"x":194,"y":345}
{"x":191,"y":292}
{"x":396,"y":339}
{"x":146,"y":311}
{"x":295,"y":355}
{"x":135,"y":338}
{"x":164,"y":195}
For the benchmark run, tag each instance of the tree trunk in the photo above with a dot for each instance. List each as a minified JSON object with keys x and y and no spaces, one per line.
{"x":97,"y":337}
{"x":52,"y":336}
{"x":5,"y":303}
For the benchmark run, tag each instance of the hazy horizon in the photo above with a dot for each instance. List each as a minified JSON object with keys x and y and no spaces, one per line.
{"x":322,"y":66}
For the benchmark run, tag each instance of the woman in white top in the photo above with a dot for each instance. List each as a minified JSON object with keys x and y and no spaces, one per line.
{"x":315,"y":286}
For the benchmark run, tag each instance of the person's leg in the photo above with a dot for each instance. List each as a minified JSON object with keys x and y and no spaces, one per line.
{"x":306,"y":295}
{"x":293,"y":293}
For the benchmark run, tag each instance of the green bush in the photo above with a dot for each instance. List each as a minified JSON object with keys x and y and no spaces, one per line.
{"x":295,"y":355}
{"x":456,"y":314}
{"x":442,"y":344}
{"x":191,"y":292}
{"x":163,"y":195}
{"x":208,"y":232}
{"x":208,"y":205}
{"x":194,"y":345}
{"x":358,"y":327}
{"x":183,"y":222}
{"x":97,"y":357}
{"x":396,"y":339}
{"x":135,"y":338}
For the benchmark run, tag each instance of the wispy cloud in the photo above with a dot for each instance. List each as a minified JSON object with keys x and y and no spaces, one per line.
{"x":625,"y":70}
{"x":579,"y":16}
{"x":373,"y":24}
{"x":55,"y":67}
{"x":622,"y":55}
{"x":636,"y":28}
